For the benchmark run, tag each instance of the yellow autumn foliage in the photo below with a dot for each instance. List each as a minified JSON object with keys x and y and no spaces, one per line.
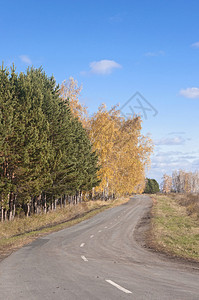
{"x":124,"y":153}
{"x":70,"y":91}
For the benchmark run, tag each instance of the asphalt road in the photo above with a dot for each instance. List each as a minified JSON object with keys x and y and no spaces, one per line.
{"x":96,"y":259}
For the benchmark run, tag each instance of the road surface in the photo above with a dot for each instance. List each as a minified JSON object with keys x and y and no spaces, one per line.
{"x":96,"y":259}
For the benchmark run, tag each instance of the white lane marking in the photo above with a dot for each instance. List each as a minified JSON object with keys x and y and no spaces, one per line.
{"x":92,"y":235}
{"x":84,"y":258}
{"x":99,"y":231}
{"x":105,"y":227}
{"x":118,"y":286}
{"x":82,"y":245}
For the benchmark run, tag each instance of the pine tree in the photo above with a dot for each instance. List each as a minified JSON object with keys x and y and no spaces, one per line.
{"x":86,"y":160}
{"x":29,"y":142}
{"x":151,"y":187}
{"x":6,"y":129}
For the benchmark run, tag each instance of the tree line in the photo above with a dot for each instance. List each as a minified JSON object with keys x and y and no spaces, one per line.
{"x":181,"y":182}
{"x":52,"y":152}
{"x":45,"y":153}
{"x":123,"y":152}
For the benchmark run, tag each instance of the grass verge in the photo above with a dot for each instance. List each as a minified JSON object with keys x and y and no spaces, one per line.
{"x":19,"y":232}
{"x":173,"y":231}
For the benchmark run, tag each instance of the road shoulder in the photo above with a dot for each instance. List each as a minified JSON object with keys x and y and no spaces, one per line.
{"x":145,"y":237}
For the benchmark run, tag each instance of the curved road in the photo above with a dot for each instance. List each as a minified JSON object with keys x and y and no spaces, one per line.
{"x":96,"y":259}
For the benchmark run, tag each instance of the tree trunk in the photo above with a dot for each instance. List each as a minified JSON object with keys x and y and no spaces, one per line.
{"x":80,"y":197}
{"x":11,"y":201}
{"x":2,"y":216}
{"x":32,"y":205}
{"x":93,"y":193}
{"x":45,"y":205}
{"x":77,"y":197}
{"x":71,"y":200}
{"x":10,"y":215}
{"x":14,"y":206}
{"x":28,"y":210}
{"x":65,"y":200}
{"x":35,"y":207}
{"x":38,"y":200}
{"x":6,"y":216}
{"x":55,"y":204}
{"x":103,"y":195}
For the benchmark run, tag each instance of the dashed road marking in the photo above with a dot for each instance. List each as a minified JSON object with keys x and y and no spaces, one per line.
{"x":99,"y":231}
{"x":84,"y":258}
{"x":105,"y":227}
{"x":118,"y":286}
{"x":82,"y":245}
{"x":92,"y":235}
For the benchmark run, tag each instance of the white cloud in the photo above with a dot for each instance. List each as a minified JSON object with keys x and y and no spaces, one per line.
{"x":190,"y":92}
{"x":176,"y":132}
{"x":178,"y":140}
{"x":195,"y":45}
{"x":195,"y":164}
{"x":174,"y":156}
{"x":168,"y":161}
{"x":25,"y":59}
{"x":104,"y":66}
{"x":167,"y":153}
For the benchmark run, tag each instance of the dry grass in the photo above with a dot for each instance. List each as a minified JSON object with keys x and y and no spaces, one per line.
{"x":173,"y":231}
{"x":190,"y":201}
{"x":19,"y":232}
{"x":35,"y":222}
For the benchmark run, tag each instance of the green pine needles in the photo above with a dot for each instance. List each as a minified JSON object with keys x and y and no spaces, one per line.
{"x":45,"y":153}
{"x":151,"y":186}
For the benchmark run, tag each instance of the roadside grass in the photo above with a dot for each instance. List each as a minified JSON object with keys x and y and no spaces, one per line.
{"x":190,"y":201}
{"x":21,"y":231}
{"x":172,"y":230}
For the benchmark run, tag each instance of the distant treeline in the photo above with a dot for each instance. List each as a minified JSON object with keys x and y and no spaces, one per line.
{"x":181,"y":182}
{"x":151,"y":186}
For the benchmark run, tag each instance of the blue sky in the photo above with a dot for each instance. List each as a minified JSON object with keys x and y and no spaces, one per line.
{"x":115,"y":48}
